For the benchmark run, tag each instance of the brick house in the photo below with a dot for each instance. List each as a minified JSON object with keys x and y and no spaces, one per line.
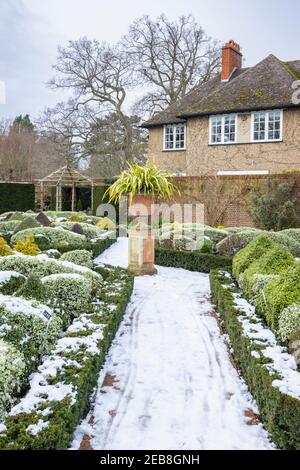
{"x":243,"y":121}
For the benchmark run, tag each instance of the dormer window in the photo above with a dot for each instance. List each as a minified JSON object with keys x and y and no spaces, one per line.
{"x":267,"y":126}
{"x":175,"y":137}
{"x":223,"y":129}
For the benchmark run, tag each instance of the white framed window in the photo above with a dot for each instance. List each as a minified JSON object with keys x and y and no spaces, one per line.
{"x":175,"y":137}
{"x":223,"y":129}
{"x":267,"y":126}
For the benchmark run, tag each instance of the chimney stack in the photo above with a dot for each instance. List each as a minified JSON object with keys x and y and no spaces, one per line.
{"x":231,"y":59}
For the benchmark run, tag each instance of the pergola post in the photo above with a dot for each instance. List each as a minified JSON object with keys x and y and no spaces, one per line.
{"x":92,"y":198}
{"x":42,"y":196}
{"x":73,"y":197}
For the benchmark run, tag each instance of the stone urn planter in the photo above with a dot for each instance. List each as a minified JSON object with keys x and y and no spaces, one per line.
{"x":145,"y":200}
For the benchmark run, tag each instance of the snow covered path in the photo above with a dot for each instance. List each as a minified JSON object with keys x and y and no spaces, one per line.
{"x":168,"y":382}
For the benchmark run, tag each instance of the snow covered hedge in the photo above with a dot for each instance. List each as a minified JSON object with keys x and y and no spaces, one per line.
{"x":31,"y":327}
{"x":12,"y":375}
{"x":270,"y":372}
{"x":47,"y":238}
{"x":60,"y":391}
{"x":44,"y":266}
{"x":191,"y":260}
{"x":71,"y":293}
{"x":82,"y":257}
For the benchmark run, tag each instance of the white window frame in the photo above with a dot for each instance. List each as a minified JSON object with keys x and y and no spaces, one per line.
{"x":174,"y":149}
{"x":222,"y":116}
{"x":267,"y":113}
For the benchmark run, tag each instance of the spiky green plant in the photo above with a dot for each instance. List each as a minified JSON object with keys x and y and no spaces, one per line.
{"x":141,"y":180}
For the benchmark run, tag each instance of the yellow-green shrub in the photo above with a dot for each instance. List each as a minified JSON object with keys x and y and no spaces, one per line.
{"x":105,"y":223}
{"x":27,"y":246}
{"x":5,"y":249}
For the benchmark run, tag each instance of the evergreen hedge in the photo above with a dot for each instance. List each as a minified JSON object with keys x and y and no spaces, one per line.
{"x":16,"y":197}
{"x":191,"y":260}
{"x":60,"y":418}
{"x":280,"y":412}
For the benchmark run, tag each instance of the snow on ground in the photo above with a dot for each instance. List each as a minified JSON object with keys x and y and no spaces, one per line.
{"x":169,"y":380}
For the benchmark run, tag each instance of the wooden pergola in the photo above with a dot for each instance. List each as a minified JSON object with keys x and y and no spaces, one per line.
{"x":65,"y":177}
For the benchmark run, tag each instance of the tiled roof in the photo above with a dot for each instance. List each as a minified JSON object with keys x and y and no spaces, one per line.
{"x":267,"y":85}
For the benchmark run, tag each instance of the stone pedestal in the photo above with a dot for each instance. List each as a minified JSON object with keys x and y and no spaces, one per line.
{"x":141,"y":251}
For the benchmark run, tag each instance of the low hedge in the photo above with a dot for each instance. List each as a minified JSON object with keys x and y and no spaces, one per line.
{"x":191,"y":260}
{"x":60,"y":392}
{"x":280,"y":412}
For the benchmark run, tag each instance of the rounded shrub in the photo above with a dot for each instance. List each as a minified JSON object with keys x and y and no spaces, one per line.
{"x":70,"y":292}
{"x":275,"y":261}
{"x":32,"y":289}
{"x":33,"y":328}
{"x":90,"y":231}
{"x":26,"y":223}
{"x":56,"y":237}
{"x":292,"y":233}
{"x":27,"y":246}
{"x":43,"y":266}
{"x":10,"y":282}
{"x":81,"y":257}
{"x":251,"y":253}
{"x":235,"y":242}
{"x":5,"y":249}
{"x":289,"y":322}
{"x":259,"y":283}
{"x":279,"y":294}
{"x":285,"y":241}
{"x":12,"y":376}
{"x":9,"y":226}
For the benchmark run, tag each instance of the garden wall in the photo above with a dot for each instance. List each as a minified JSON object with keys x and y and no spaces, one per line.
{"x":226,"y":198}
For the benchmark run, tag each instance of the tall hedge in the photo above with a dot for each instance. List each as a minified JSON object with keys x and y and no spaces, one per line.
{"x":17,"y":197}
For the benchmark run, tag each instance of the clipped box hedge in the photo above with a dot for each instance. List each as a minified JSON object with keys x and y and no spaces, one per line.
{"x":59,"y":397}
{"x":280,"y":412}
{"x":191,"y":260}
{"x":16,"y":197}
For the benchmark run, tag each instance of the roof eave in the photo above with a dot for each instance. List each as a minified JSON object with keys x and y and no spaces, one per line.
{"x":238,"y":110}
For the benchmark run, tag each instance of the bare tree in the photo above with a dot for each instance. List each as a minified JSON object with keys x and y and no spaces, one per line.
{"x":98,"y":76}
{"x":106,"y":145}
{"x":68,"y":128}
{"x":170,"y":57}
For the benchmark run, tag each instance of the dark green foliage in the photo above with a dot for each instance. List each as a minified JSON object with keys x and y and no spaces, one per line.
{"x":16,"y":197}
{"x":250,"y":253}
{"x":27,"y":222}
{"x":235,"y":242}
{"x":280,"y":413}
{"x":279,"y":294}
{"x":275,"y":261}
{"x":64,"y":416}
{"x":191,"y":260}
{"x":275,"y":207}
{"x":10,"y":287}
{"x":32,"y":289}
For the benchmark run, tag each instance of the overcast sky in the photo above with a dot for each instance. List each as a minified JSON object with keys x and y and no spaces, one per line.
{"x":31,"y":30}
